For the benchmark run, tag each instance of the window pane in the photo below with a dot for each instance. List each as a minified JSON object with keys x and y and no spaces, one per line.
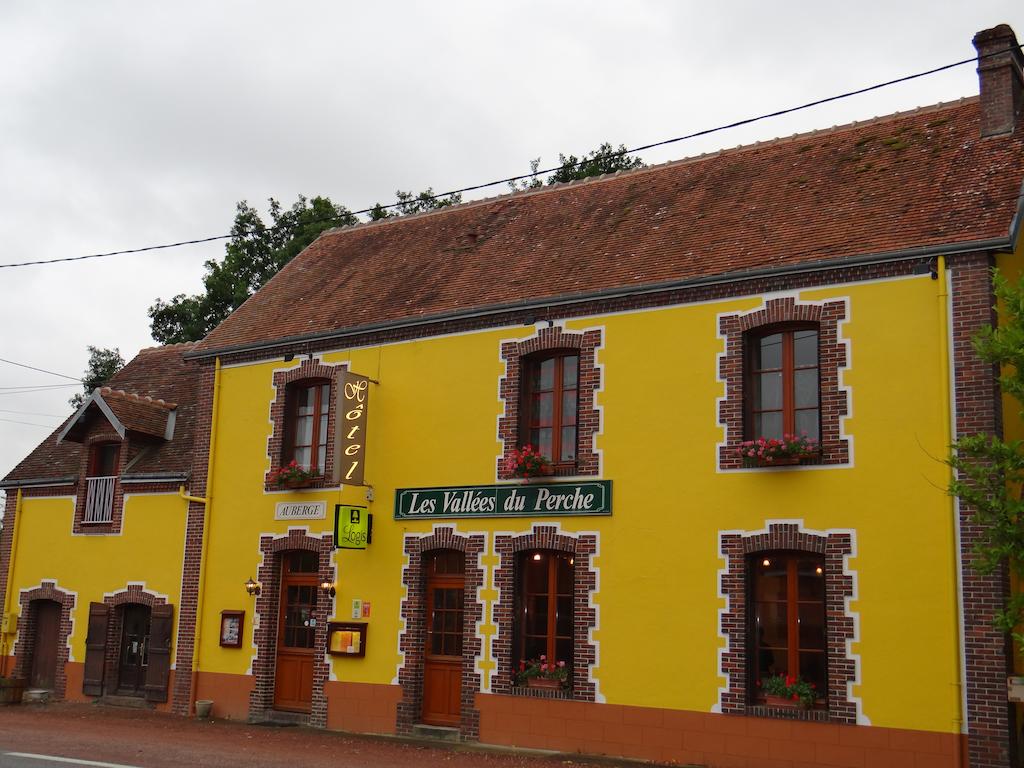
{"x":546,"y":378}
{"x":768,"y":424}
{"x":302,"y":457}
{"x":811,"y":575}
{"x":453,"y":644}
{"x":563,"y":617}
{"x":569,"y":371}
{"x":451,"y":621}
{"x":325,"y":398}
{"x":771,"y":624}
{"x":534,"y":647}
{"x":321,"y":459}
{"x":812,"y":626}
{"x":568,"y":444}
{"x":805,"y":348}
{"x":769,"y":352}
{"x":564,"y":576}
{"x":569,"y":407}
{"x":563,"y":651}
{"x":807,"y":422}
{"x":304,"y":430}
{"x":537,"y":615}
{"x":812,"y":669}
{"x":437,"y":622}
{"x":536,"y":573}
{"x":771,"y":662}
{"x":322,"y":437}
{"x":306,"y":400}
{"x":806,"y":387}
{"x":543,"y":443}
{"x":437,"y":644}
{"x":543,"y":407}
{"x":771,"y":579}
{"x":768,"y":392}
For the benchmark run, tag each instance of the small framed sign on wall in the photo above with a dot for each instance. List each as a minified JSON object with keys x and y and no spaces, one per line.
{"x":231,"y":623}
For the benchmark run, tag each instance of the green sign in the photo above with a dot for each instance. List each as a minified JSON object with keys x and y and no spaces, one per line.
{"x":548,"y":499}
{"x":353,"y":527}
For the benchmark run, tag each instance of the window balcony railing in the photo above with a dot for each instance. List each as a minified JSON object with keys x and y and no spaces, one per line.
{"x":99,"y":499}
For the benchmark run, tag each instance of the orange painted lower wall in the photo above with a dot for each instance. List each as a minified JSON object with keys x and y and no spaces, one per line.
{"x":715,"y":741}
{"x":75,"y":670}
{"x":229,"y":693}
{"x":362,"y":707}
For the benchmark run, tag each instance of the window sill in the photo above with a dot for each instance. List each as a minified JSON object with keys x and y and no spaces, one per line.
{"x":540,"y":693}
{"x":816,"y":715}
{"x":98,"y":522}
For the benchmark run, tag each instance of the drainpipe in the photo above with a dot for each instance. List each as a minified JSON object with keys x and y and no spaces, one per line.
{"x":10,"y":577}
{"x":948,"y":408}
{"x":207,"y":504}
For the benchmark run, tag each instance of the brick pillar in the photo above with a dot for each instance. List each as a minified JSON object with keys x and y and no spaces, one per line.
{"x":193,"y":545}
{"x":1002,"y":85}
{"x":987,"y":650}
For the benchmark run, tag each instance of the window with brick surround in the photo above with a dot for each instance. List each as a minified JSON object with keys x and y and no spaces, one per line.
{"x":100,"y":480}
{"x":544,"y":606}
{"x":782,"y":383}
{"x":787,"y":619}
{"x":306,"y":424}
{"x":549,"y":406}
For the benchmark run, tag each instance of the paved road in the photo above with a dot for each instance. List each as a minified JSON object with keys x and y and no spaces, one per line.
{"x":72,"y":735}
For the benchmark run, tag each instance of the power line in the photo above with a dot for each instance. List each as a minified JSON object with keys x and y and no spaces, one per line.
{"x":532,"y":174}
{"x":31,"y":413}
{"x":39,"y":386}
{"x":41,"y":370}
{"x":28,"y":423}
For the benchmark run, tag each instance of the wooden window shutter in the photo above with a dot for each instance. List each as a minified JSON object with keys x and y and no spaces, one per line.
{"x":95,"y":649}
{"x":158,"y":669}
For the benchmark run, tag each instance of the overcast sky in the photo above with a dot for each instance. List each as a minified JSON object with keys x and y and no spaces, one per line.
{"x":126,"y":124}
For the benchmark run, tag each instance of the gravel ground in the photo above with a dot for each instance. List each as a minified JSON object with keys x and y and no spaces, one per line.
{"x":154,"y":740}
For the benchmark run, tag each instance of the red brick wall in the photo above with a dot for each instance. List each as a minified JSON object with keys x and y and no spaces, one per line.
{"x":412,"y":640}
{"x":978,"y":411}
{"x":839,"y":587}
{"x":583,"y":548}
{"x":831,"y":355}
{"x":588,"y":417}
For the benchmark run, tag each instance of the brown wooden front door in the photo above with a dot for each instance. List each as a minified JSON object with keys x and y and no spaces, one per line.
{"x":44,"y":648}
{"x":442,"y":662}
{"x":131,"y":673}
{"x":296,"y":628}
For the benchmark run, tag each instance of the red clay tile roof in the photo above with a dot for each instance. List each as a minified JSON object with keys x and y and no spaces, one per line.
{"x":159,"y":373}
{"x":908,"y":180}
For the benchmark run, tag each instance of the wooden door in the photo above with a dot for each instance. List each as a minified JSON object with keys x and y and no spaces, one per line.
{"x":296,"y":629}
{"x":131,"y":673}
{"x":44,"y":648}
{"x":442,"y":658}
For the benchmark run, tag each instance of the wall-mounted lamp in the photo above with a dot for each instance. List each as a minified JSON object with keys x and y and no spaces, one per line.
{"x":289,"y":357}
{"x":925,"y":268}
{"x":253,"y":587}
{"x":327,"y":587}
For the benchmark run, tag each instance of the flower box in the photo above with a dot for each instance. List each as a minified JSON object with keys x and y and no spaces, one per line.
{"x":547,"y":683}
{"x":786,"y":461}
{"x":783,"y":702}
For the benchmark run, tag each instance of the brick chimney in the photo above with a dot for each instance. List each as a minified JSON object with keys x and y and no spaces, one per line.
{"x":1002,"y":85}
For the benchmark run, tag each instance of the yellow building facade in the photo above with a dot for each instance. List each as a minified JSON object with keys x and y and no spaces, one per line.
{"x":651,"y":465}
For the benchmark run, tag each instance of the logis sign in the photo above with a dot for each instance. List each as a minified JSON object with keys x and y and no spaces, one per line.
{"x":591,"y":498}
{"x":350,"y":434}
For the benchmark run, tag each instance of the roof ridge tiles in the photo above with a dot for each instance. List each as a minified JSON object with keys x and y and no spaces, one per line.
{"x":145,"y":399}
{"x":522,"y":193}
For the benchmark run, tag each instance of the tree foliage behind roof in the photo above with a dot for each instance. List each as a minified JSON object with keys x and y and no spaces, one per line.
{"x":103,"y":364}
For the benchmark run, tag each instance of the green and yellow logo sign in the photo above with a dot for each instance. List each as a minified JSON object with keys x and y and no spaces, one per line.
{"x":353,"y":527}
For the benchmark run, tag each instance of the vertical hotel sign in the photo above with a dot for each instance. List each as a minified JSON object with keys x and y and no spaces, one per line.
{"x":350,"y":432}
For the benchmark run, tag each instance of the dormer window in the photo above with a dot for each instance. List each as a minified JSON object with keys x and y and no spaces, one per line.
{"x":100,"y":481}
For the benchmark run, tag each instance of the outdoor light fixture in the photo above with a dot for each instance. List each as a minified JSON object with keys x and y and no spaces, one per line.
{"x":766,"y":562}
{"x":253,"y":587}
{"x":327,"y":587}
{"x":537,"y":556}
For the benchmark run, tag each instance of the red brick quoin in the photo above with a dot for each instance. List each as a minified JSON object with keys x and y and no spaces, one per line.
{"x":308,"y":370}
{"x":261,"y":700}
{"x":583,"y":547}
{"x":839,"y":588}
{"x":831,"y":355}
{"x":47,"y":590}
{"x":413,"y":638}
{"x":588,"y":417}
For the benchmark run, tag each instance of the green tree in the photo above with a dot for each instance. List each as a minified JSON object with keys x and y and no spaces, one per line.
{"x":410,"y":203}
{"x":254,"y":254}
{"x":989,"y":470}
{"x":103,"y":363}
{"x":604,"y":159}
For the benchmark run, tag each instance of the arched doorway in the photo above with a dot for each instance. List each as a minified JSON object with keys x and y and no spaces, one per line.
{"x":133,"y":658}
{"x":43,"y":674}
{"x":445,"y":572}
{"x":296,"y":631}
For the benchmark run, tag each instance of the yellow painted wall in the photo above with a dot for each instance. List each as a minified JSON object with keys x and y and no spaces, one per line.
{"x":149,"y":550}
{"x":433,"y":422}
